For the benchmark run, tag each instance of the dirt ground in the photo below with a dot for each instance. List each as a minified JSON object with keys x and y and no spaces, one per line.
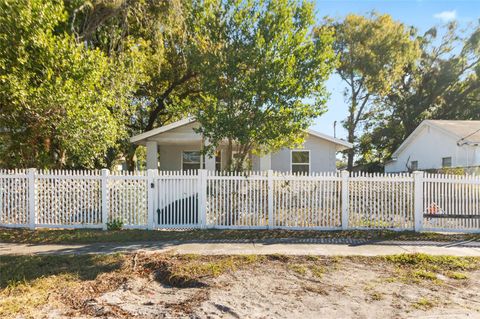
{"x":273,"y":287}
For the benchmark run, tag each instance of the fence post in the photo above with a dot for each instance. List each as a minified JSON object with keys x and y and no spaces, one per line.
{"x":151,"y":185}
{"x":345,"y":199}
{"x":105,"y":208}
{"x":31,"y":197}
{"x":418,"y":200}
{"x":202,"y":197}
{"x":270,"y":198}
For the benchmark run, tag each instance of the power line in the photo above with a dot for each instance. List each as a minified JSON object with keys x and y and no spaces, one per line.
{"x":465,"y":137}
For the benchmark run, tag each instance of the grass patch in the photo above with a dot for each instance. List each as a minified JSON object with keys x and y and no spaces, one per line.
{"x":423,"y":267}
{"x":424,"y":304}
{"x":298,"y":269}
{"x":86,"y":236}
{"x":317,"y":271}
{"x":424,"y":274}
{"x":456,"y":275}
{"x":185,"y":271}
{"x":376,"y":296}
{"x":27,"y":282}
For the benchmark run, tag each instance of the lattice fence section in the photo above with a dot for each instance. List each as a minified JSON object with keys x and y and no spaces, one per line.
{"x":451,"y":202}
{"x":178,"y":200}
{"x":127,"y":199}
{"x":236,"y":200}
{"x":14,"y":209}
{"x":381,"y":201}
{"x":301,"y":201}
{"x":68,"y":198}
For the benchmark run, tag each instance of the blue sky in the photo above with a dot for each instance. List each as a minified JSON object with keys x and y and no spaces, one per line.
{"x":422,"y":14}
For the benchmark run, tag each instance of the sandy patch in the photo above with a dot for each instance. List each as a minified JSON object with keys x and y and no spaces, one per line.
{"x":290,"y":288}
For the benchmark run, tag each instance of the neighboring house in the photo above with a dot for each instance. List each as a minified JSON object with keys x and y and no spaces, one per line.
{"x":179,"y":147}
{"x":437,"y":144}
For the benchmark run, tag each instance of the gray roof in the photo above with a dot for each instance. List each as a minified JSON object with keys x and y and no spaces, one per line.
{"x":466,"y":131}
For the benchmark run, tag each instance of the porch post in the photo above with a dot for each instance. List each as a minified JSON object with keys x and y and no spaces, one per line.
{"x":152,"y":155}
{"x":265,"y":162}
{"x":209,"y":161}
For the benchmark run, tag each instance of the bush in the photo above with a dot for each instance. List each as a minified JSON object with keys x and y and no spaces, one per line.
{"x":115,"y":224}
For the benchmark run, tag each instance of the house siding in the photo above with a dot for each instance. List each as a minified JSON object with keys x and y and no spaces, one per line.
{"x":171,"y":156}
{"x":429,"y":147}
{"x":322,"y":156}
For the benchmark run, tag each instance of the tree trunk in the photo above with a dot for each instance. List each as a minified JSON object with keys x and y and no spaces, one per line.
{"x":350,"y":152}
{"x":129,"y":157}
{"x":229,"y":154}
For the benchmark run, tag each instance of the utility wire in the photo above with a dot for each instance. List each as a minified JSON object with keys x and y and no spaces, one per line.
{"x":465,"y":137}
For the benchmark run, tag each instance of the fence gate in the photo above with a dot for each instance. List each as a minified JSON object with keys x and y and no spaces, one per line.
{"x":176,"y":200}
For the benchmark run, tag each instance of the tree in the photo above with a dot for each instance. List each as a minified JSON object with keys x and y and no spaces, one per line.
{"x":62,"y":104}
{"x":168,"y":64}
{"x":444,"y":84}
{"x":373,"y":53}
{"x":262,"y":73}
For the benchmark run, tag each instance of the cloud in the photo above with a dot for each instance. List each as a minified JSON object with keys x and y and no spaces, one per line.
{"x":446,"y":16}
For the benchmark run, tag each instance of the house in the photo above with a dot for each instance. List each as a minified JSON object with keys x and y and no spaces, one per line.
{"x":436,"y":144}
{"x":178,"y":147}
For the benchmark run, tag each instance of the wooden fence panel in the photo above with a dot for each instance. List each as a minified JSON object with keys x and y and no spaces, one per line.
{"x":451,"y":202}
{"x":68,"y":199}
{"x":378,"y":201}
{"x":127,"y":199}
{"x":307,"y":202}
{"x":237,"y":200}
{"x":14,"y":195}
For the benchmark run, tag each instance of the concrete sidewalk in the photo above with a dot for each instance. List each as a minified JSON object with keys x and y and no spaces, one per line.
{"x":337,"y":247}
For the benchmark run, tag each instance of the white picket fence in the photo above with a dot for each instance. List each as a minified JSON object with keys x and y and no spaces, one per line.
{"x":253,"y":200}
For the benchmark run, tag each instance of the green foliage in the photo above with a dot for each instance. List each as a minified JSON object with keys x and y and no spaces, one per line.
{"x":115,"y":224}
{"x":62,"y":103}
{"x":442,"y":83}
{"x":262,"y":73}
{"x":373,"y":53}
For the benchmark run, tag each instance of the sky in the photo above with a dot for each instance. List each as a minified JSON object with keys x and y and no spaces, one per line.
{"x":422,"y":14}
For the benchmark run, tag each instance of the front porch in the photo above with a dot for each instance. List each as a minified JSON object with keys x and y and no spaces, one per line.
{"x":178,"y":147}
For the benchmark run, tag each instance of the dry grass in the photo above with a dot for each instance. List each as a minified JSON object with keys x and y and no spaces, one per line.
{"x":86,"y":236}
{"x":29,"y":283}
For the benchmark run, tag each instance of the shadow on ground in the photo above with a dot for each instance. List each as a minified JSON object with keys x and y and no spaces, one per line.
{"x":28,"y":268}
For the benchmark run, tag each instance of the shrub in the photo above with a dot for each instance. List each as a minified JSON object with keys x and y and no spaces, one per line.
{"x":115,"y":224}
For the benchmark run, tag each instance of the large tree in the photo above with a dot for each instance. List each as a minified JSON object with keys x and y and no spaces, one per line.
{"x":62,"y":104}
{"x":170,"y":78}
{"x":444,"y":84}
{"x":373,"y":50}
{"x":262,"y":73}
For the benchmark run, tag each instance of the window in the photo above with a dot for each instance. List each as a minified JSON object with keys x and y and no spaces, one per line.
{"x":446,"y":162}
{"x":414,"y":165}
{"x":300,"y":161}
{"x":191,"y":160}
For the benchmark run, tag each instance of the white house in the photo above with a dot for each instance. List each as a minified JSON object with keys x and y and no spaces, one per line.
{"x":436,"y":144}
{"x":179,"y":147}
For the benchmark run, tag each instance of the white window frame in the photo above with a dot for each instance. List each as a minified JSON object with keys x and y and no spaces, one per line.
{"x":185,"y":151}
{"x":309,"y":159}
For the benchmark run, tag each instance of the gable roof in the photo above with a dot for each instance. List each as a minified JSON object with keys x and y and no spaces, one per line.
{"x":144,"y":136}
{"x":465,"y":132}
{"x":345,"y":145}
{"x":160,"y":130}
